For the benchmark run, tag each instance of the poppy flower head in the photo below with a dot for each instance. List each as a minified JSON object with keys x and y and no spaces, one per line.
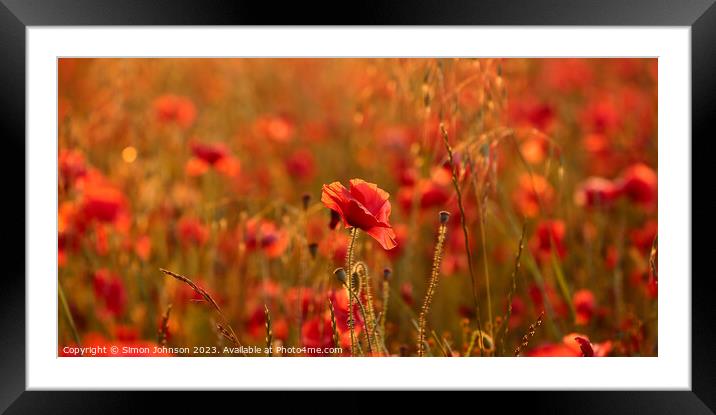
{"x":597,"y":192}
{"x":639,"y":184}
{"x":210,"y":153}
{"x":584,"y":304}
{"x":265,"y":235}
{"x":364,"y":206}
{"x":109,"y":289}
{"x":175,"y":109}
{"x":549,"y":237}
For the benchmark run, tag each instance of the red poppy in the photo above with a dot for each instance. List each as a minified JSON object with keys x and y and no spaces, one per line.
{"x":109,"y":289}
{"x":210,"y":153}
{"x":265,"y":235}
{"x":549,"y":236}
{"x":334,"y":246}
{"x":172,"y":108}
{"x":533,"y":195}
{"x":301,"y":165}
{"x":277,"y":128}
{"x":597,"y":191}
{"x":72,"y":165}
{"x":191,"y":231}
{"x":430,"y":194}
{"x":583,"y":301}
{"x":364,"y":206}
{"x":572,"y":345}
{"x":639,"y":184}
{"x":317,"y":333}
{"x":102,"y":202}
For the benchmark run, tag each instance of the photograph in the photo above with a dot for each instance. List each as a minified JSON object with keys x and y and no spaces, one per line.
{"x":357,"y":207}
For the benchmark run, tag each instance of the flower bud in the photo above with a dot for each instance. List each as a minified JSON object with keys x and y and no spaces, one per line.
{"x":340,"y":274}
{"x":387,"y":274}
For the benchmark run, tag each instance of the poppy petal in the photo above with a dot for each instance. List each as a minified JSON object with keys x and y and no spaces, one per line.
{"x":384,"y":236}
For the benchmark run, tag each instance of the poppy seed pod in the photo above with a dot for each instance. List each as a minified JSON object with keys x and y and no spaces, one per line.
{"x":313,"y":249}
{"x":387,"y":274}
{"x":340,"y":274}
{"x":444,"y":217}
{"x":306,"y":199}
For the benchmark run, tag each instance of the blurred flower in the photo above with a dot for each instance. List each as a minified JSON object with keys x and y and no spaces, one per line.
{"x":109,"y":289}
{"x":210,"y":153}
{"x":191,"y":231}
{"x":101,"y":201}
{"x":72,"y":165}
{"x":548,"y":238}
{"x":584,"y":303}
{"x":430,"y":194}
{"x":567,"y":75}
{"x":301,"y":165}
{"x":339,"y":298}
{"x":143,"y":247}
{"x":571,"y":347}
{"x":364,"y":206}
{"x":642,"y":238}
{"x":317,"y":333}
{"x":265,"y":235}
{"x":275,"y":127}
{"x":406,"y":293}
{"x":639,"y":184}
{"x":530,"y":112}
{"x":601,"y":116}
{"x":175,"y":109}
{"x":596,"y":192}
{"x":335,"y":246}
{"x":533,"y":195}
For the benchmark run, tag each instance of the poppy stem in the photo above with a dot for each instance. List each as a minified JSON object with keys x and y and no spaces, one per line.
{"x":349,"y":287}
{"x":361,"y":270}
{"x":422,"y":320}
{"x":463,"y":220}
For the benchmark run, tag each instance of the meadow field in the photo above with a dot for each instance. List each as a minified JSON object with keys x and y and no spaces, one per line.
{"x":357,"y":207}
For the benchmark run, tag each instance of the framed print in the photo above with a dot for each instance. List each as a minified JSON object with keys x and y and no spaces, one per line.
{"x":460,"y":197}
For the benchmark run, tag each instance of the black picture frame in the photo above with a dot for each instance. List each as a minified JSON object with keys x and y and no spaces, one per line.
{"x":16,"y":15}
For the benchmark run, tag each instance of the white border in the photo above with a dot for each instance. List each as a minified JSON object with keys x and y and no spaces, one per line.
{"x":671,"y":370}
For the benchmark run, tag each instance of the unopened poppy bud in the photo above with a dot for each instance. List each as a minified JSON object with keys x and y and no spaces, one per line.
{"x":340,"y":274}
{"x":306,"y":199}
{"x":386,"y":274}
{"x":313,"y":249}
{"x":444,"y":217}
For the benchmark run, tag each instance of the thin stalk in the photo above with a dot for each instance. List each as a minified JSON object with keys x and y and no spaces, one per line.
{"x":483,"y":211}
{"x":68,"y":315}
{"x":384,"y":313}
{"x":362,"y":271}
{"x":349,"y":287}
{"x":437,"y":257}
{"x":269,"y":332}
{"x":334,"y":327}
{"x":228,"y":331}
{"x":364,"y":314}
{"x":463,"y":221}
{"x":513,"y":289}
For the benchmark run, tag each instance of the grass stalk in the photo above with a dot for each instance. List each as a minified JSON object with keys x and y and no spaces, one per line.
{"x":463,"y":221}
{"x":269,"y":332}
{"x":225,"y":328}
{"x":68,"y":315}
